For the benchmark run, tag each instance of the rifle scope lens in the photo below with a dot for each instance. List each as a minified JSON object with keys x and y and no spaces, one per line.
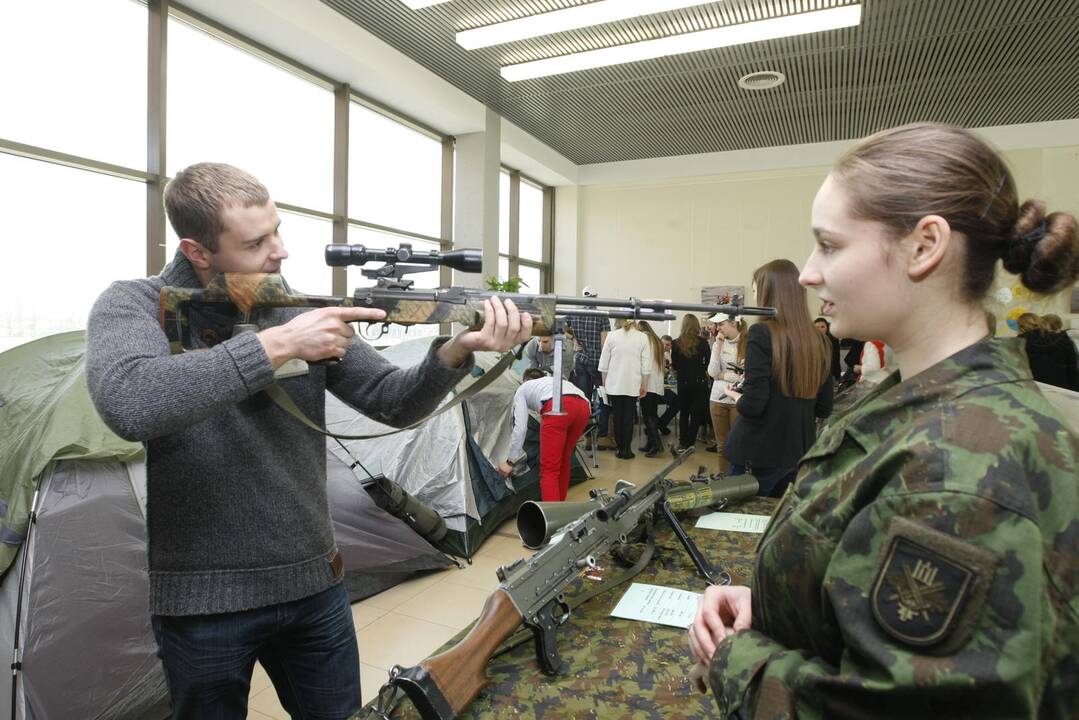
{"x":343,"y":255}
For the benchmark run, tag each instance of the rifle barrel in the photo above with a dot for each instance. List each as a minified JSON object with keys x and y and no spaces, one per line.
{"x":663,"y":306}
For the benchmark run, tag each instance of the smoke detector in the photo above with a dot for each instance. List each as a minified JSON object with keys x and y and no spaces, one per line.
{"x":762,"y":80}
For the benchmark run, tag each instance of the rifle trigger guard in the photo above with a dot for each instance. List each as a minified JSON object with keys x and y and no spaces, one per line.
{"x":543,"y":625}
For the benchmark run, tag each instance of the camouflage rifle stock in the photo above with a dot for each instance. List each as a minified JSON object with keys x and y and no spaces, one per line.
{"x":246,"y":292}
{"x":532,"y":591}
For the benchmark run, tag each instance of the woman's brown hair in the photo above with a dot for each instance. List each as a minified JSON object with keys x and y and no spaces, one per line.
{"x":654,"y":341}
{"x":1027,"y":322}
{"x":689,"y":336}
{"x":801,"y":356}
{"x":741,"y":325}
{"x":896,"y":177}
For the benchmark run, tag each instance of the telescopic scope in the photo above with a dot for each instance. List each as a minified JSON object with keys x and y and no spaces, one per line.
{"x":466,"y":260}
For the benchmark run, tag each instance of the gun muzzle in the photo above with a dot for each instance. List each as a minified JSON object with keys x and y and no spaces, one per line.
{"x":538,"y":522}
{"x":718,"y":492}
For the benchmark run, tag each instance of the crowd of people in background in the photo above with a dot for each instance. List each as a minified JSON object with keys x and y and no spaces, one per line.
{"x":718,"y":371}
{"x":701,"y":377}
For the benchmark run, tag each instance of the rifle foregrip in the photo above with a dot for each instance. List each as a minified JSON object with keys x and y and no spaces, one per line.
{"x":460,"y":673}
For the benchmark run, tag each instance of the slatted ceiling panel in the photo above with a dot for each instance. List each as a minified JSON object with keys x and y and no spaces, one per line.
{"x":970,"y":62}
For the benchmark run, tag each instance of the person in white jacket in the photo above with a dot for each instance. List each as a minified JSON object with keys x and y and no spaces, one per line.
{"x":729,"y":350}
{"x":626,"y":363}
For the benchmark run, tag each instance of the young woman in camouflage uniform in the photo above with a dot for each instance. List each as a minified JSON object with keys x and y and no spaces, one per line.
{"x":923,"y":563}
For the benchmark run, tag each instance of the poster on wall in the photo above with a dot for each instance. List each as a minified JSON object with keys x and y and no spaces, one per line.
{"x":723,"y":294}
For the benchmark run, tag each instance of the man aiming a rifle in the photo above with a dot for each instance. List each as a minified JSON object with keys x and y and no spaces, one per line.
{"x":242,"y":559}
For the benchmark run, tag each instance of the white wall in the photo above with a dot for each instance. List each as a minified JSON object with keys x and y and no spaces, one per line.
{"x":667,"y":238}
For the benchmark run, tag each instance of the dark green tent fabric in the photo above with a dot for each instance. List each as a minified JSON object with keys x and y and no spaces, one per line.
{"x":45,"y":415}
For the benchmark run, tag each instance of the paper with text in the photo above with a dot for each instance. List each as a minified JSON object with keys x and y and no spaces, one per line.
{"x":658,"y":604}
{"x":738,"y":522}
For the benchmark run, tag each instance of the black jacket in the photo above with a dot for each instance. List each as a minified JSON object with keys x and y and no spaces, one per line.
{"x":772,"y":430}
{"x":1053,"y":359}
{"x":692,"y":372}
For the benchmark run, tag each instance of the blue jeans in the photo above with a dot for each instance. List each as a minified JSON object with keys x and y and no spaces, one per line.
{"x":588,"y":379}
{"x":308,"y":648}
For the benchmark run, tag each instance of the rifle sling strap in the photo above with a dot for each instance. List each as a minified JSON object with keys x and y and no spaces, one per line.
{"x":279,"y":396}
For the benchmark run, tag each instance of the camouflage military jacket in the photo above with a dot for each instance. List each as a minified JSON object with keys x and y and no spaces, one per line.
{"x":923,"y":564}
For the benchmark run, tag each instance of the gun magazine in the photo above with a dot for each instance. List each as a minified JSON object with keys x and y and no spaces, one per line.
{"x":575,"y":601}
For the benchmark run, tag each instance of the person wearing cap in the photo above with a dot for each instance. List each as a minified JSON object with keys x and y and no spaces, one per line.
{"x":724,"y":367}
{"x":591,"y":333}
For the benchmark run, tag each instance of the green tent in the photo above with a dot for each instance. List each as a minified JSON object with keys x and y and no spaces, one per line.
{"x":45,"y":415}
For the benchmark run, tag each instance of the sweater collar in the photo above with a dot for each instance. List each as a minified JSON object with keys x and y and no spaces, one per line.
{"x":180,"y":273}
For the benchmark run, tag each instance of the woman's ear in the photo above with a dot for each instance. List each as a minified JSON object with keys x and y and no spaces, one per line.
{"x":927,"y":246}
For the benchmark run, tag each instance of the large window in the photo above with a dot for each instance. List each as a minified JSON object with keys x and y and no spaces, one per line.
{"x":75,"y":142}
{"x":395,"y":174}
{"x":227,"y":105}
{"x":73,"y":78}
{"x":67,"y":234}
{"x":524,"y":232}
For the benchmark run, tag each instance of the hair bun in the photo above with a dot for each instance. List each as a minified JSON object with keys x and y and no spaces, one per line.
{"x":1043,"y":250}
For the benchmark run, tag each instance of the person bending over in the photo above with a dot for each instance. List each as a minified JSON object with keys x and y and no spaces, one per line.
{"x":558,"y":433}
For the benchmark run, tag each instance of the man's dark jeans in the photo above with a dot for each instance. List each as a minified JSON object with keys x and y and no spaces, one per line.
{"x":308,"y":648}
{"x":588,"y":379}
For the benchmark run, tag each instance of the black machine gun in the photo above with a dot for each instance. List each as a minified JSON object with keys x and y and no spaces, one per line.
{"x":532,"y":592}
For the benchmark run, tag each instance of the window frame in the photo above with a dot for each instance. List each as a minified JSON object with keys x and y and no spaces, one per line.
{"x":546,"y":264}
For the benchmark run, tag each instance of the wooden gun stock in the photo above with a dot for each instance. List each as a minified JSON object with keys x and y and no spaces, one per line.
{"x":442,"y":686}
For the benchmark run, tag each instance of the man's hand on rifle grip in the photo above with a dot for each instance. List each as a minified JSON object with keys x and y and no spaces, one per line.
{"x":320,"y":334}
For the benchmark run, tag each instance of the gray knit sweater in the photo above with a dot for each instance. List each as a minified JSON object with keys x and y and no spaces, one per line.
{"x":237,"y":515}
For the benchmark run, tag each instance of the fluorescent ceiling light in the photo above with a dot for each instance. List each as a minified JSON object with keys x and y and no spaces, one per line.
{"x":417,"y":4}
{"x":557,"y":21}
{"x":756,"y":31}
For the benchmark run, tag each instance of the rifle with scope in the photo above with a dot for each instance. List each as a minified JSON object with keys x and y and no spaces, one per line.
{"x":241,"y":294}
{"x":532,"y":592}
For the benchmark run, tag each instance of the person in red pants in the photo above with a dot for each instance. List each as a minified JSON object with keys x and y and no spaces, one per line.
{"x":558,"y":433}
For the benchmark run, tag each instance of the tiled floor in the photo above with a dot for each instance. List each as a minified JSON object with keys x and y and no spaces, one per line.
{"x":406,"y":623}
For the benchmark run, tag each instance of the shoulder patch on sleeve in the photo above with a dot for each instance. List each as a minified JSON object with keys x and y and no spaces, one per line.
{"x":930,"y":587}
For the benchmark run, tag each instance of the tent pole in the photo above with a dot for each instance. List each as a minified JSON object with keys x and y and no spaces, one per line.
{"x":16,"y":653}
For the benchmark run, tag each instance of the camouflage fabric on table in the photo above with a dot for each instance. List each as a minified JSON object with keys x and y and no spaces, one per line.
{"x":617,"y":669}
{"x":923,"y":563}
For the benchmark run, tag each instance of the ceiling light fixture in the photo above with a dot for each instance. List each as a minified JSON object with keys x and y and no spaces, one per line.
{"x":726,"y":36}
{"x":417,"y":4}
{"x":571,"y":18}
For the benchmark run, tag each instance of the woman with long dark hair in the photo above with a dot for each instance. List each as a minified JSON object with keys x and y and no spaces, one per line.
{"x":787,"y":383}
{"x":923,"y":563}
{"x":689,"y":360}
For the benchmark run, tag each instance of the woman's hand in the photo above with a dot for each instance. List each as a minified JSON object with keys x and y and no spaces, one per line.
{"x":504,"y":469}
{"x":732,"y":393}
{"x":723,"y":610}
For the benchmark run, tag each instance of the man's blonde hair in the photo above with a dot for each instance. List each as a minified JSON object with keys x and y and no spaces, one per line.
{"x":196,"y":197}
